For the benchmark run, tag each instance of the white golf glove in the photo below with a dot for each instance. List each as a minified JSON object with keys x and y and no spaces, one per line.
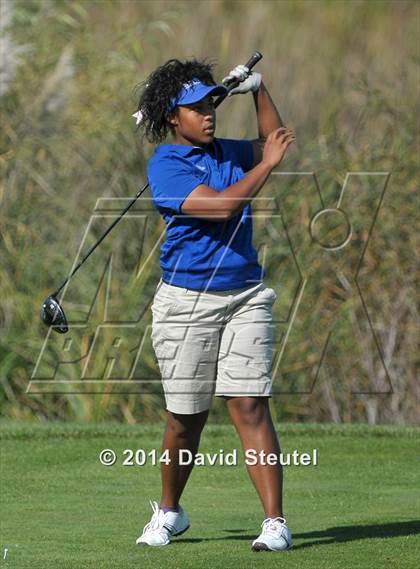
{"x":251,"y":81}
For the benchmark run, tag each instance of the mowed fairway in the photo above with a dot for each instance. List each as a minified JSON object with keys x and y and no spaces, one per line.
{"x":60,"y":508}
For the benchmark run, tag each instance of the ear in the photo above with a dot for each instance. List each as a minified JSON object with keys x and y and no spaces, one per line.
{"x":172,"y":118}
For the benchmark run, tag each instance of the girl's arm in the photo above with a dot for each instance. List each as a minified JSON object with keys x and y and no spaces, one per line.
{"x":207,"y":203}
{"x":268,"y":119}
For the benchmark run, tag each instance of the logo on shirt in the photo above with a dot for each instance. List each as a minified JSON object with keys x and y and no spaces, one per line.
{"x":201,"y":168}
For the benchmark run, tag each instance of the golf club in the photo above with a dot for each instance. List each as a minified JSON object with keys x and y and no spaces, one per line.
{"x":52,"y":313}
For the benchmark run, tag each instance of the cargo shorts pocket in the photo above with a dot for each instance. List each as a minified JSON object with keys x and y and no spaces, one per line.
{"x":163,"y":307}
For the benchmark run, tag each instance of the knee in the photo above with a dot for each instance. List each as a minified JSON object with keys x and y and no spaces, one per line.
{"x":250,"y":411}
{"x":186,"y":426}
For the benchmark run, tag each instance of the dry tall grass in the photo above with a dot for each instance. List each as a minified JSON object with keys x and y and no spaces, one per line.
{"x":345,"y":75}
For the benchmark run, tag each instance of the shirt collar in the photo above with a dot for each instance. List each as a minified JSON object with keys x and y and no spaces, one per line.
{"x":182,"y":149}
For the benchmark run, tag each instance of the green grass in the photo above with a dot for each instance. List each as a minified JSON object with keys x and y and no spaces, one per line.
{"x":358,"y":508}
{"x":343,"y":74}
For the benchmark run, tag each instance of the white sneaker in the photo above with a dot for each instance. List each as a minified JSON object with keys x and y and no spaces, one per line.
{"x":275,"y":536}
{"x":163,"y":526}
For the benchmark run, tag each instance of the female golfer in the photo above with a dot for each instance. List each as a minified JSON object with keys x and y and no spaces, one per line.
{"x":212,"y":313}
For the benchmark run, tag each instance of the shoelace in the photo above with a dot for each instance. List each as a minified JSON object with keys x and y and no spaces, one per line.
{"x":271,"y":525}
{"x":156,"y":518}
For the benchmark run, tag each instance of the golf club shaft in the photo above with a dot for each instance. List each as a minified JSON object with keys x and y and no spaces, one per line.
{"x":256,"y":56}
{"x":101,"y":238}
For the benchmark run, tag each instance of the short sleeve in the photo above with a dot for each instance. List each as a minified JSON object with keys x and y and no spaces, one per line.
{"x":171,"y":179}
{"x":238,"y":151}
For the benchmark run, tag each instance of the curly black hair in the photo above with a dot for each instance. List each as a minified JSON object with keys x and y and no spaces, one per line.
{"x":163,"y":84}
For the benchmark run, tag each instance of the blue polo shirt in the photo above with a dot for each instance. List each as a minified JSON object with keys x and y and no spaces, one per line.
{"x":202,"y":254}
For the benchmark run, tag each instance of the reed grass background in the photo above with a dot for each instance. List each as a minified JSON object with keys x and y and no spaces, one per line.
{"x":345,"y":75}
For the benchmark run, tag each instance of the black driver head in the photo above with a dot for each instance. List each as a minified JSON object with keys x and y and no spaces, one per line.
{"x":53,"y":315}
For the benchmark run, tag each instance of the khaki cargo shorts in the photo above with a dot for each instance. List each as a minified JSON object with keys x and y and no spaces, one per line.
{"x":212,"y":343}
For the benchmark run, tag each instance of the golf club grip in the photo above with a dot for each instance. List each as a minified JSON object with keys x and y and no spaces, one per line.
{"x":253,"y":60}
